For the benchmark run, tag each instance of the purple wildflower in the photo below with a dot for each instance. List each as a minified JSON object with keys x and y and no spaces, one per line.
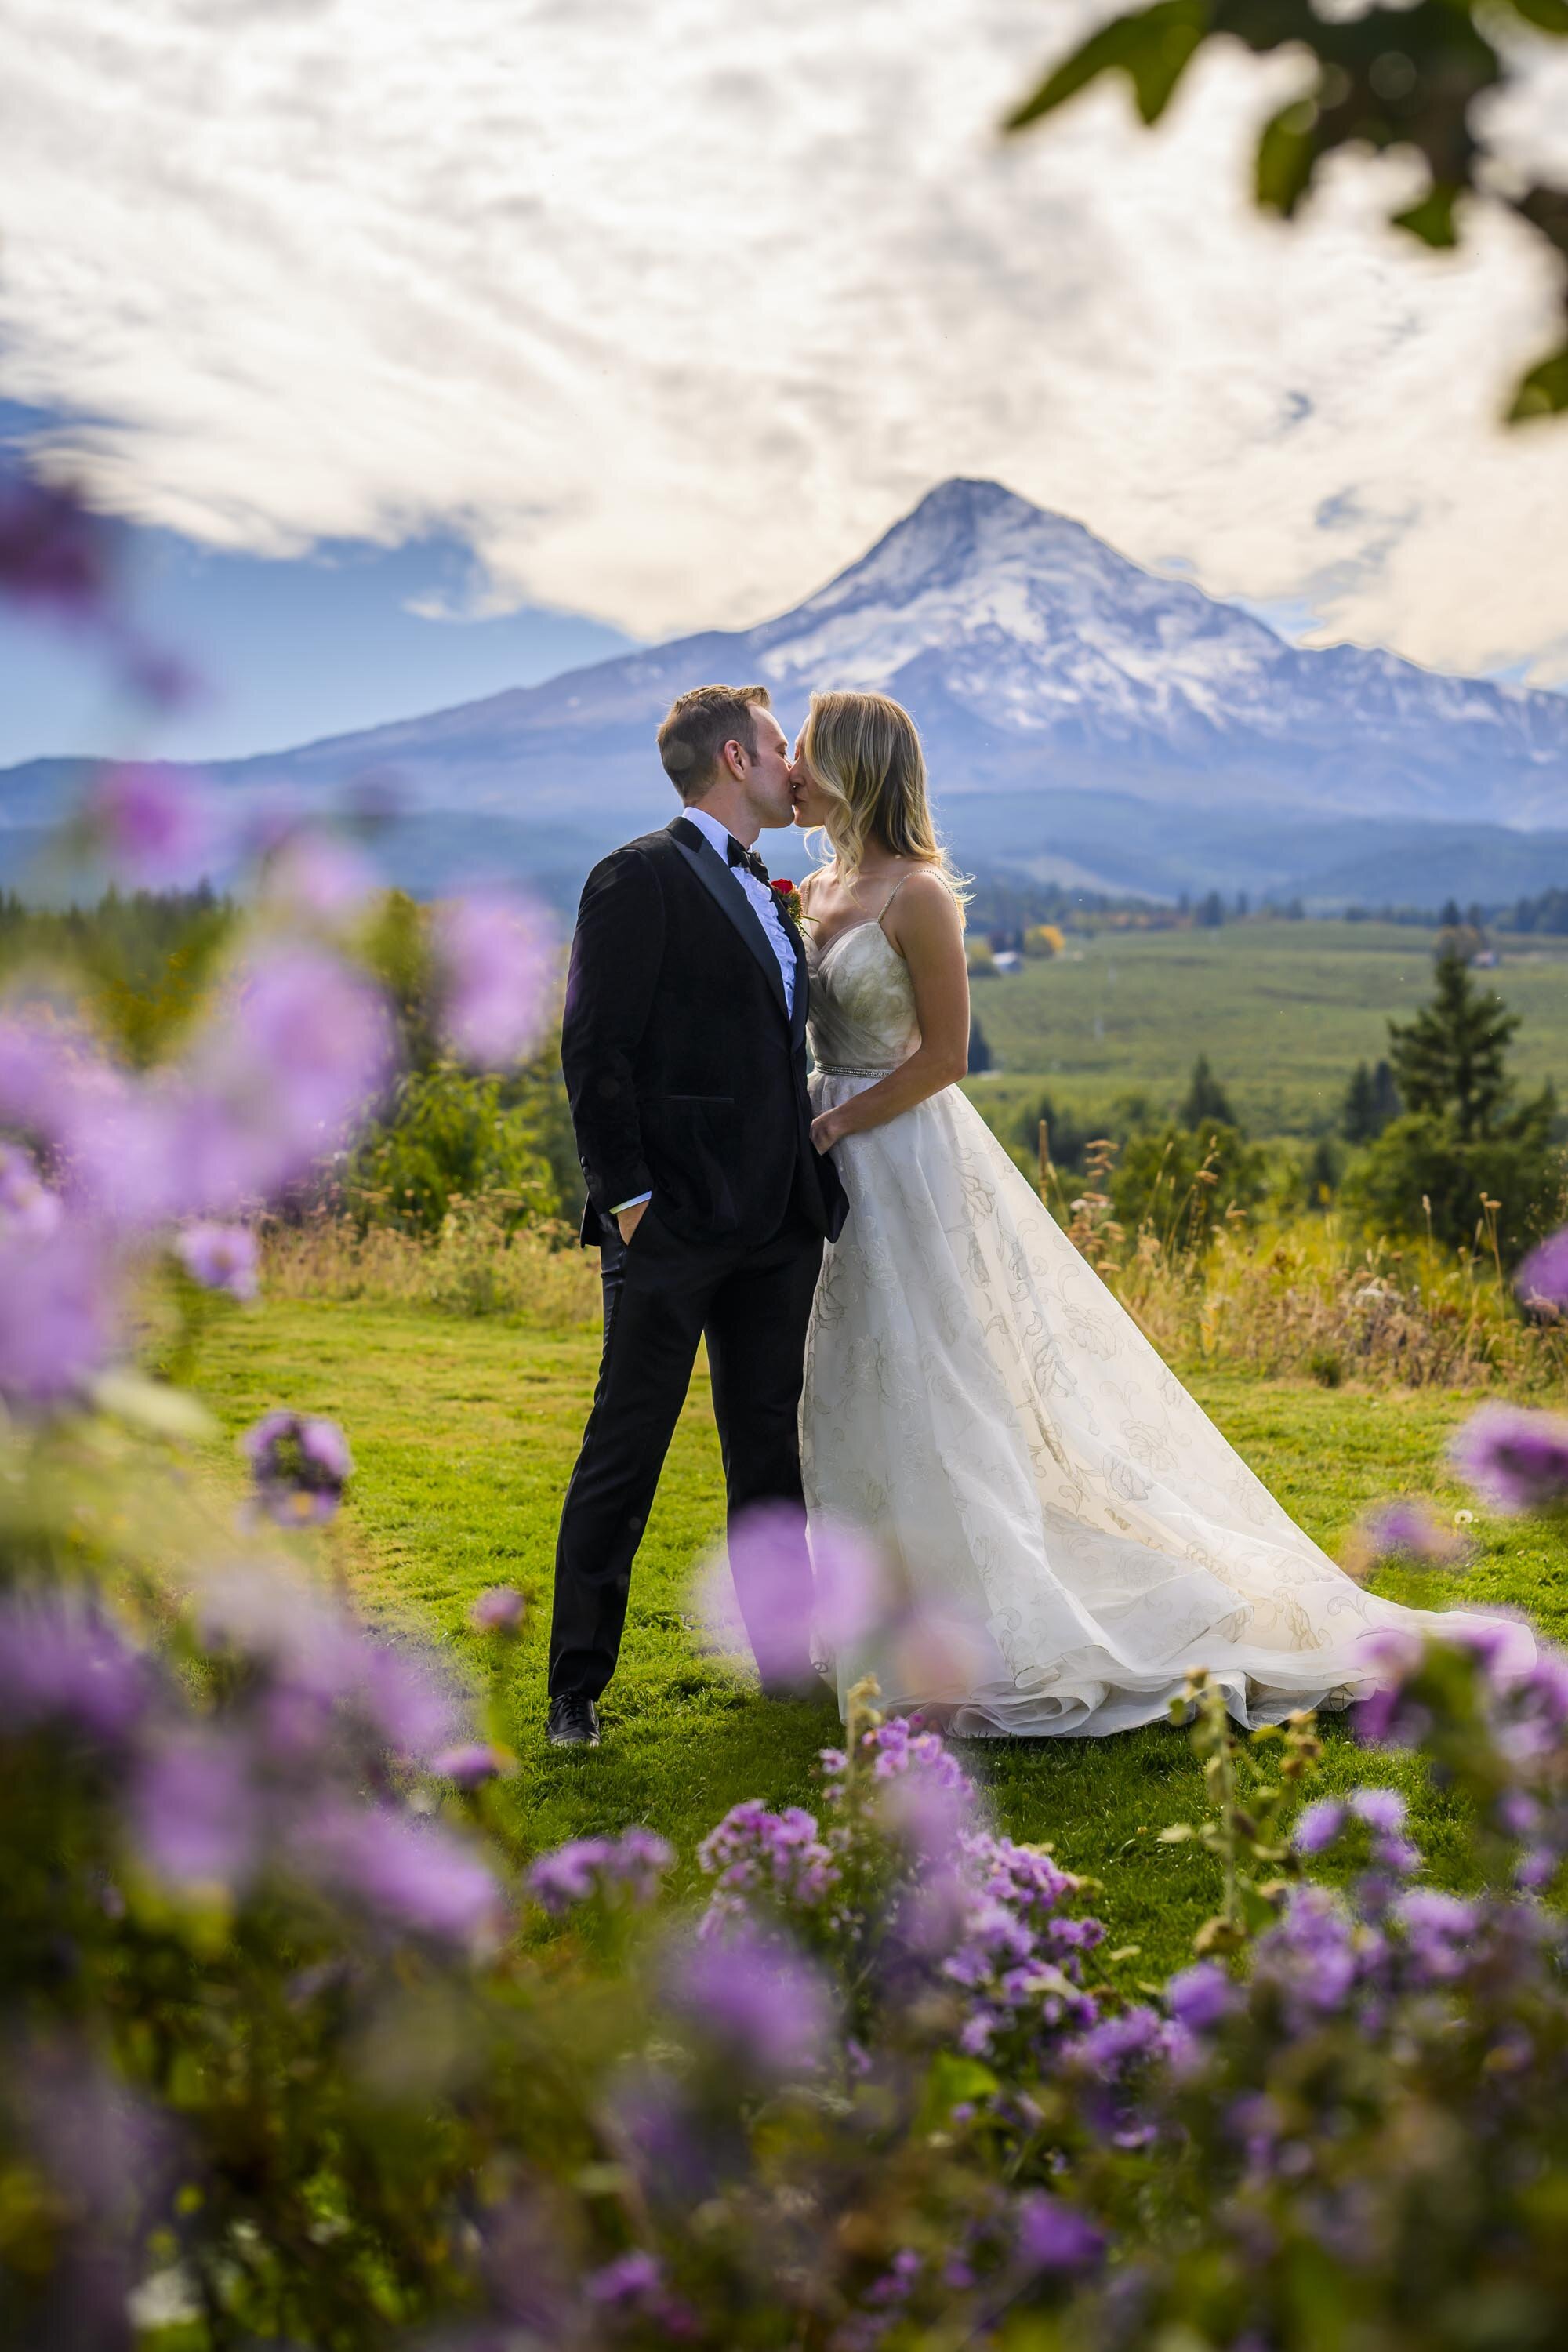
{"x":1542,"y":1279}
{"x":1439,"y":1932}
{"x":28,"y":1210}
{"x":499,"y":1610}
{"x":1517,"y":1459}
{"x":1382,"y":1810}
{"x":1054,"y":2236}
{"x":412,"y":1875}
{"x":1408,"y":1530}
{"x":632,"y":1865}
{"x":322,"y":1666}
{"x":57,"y":1317}
{"x":196,"y":1813}
{"x":32,"y":1071}
{"x":398,"y":1692}
{"x":1202,"y":1997}
{"x":300,"y":1465}
{"x":148,"y":823}
{"x":472,"y":1764}
{"x":756,"y":2001}
{"x":778,"y":1856}
{"x":319,"y":876}
{"x":494,"y":955}
{"x":62,"y":1662}
{"x":629,"y":2279}
{"x":1319,"y":1825}
{"x":220,"y":1257}
{"x":301,"y":1048}
{"x":56,"y":555}
{"x":770,"y":1564}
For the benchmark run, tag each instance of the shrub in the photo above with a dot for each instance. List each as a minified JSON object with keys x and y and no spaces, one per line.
{"x":1180,"y":1183}
{"x":449,"y":1134}
{"x":1422,"y":1174}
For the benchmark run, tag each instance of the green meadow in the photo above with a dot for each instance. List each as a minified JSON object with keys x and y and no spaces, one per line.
{"x":464,"y":1432}
{"x":1284,"y":1011}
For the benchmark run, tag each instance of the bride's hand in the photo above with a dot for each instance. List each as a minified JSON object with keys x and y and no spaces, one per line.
{"x":825,"y":1130}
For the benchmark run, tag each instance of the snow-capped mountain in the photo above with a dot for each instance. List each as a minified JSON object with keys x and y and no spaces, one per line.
{"x":1077,"y":710}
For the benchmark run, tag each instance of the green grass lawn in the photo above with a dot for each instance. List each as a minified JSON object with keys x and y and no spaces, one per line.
{"x":464,"y":1432}
{"x":1284,"y":1011}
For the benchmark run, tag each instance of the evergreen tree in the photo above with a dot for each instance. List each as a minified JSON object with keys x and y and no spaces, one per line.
{"x":1358,"y":1117}
{"x":1461,"y":1135}
{"x":1207,"y":1103}
{"x":1451,"y":1060}
{"x":1449,"y":918}
{"x":1210,"y":912}
{"x":1385,"y":1102}
{"x":1372,"y":1099}
{"x":979,"y":1050}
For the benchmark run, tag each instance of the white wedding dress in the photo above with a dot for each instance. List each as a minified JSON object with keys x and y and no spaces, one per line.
{"x":1067,"y":1531}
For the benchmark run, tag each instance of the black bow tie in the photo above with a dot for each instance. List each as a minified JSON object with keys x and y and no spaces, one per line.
{"x":746,"y":857}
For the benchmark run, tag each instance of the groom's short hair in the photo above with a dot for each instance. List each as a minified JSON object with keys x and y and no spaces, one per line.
{"x":696,"y":727}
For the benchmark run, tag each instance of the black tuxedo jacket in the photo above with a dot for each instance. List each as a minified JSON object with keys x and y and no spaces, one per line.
{"x":685,"y":1071}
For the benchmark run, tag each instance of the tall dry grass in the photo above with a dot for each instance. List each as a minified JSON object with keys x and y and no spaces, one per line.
{"x":1308,"y":1297}
{"x":1302,"y":1297}
{"x":478,"y":1264}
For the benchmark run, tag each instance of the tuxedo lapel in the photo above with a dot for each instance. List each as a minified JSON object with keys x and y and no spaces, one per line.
{"x":725,"y":890}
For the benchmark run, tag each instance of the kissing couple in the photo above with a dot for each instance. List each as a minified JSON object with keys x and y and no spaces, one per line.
{"x":902,"y":1340}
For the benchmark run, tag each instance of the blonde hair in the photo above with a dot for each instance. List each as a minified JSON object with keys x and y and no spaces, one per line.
{"x":864,"y":751}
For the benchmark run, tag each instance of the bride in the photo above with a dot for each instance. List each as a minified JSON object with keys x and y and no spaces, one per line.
{"x":1044,"y":1491}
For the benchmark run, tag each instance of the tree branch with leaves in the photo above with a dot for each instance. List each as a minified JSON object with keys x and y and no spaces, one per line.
{"x":1390,"y":77}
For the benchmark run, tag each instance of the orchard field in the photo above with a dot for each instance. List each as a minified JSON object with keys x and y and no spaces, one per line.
{"x":1284,"y":1011}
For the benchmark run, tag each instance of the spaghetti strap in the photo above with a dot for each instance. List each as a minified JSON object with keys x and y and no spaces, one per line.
{"x":893,"y":894}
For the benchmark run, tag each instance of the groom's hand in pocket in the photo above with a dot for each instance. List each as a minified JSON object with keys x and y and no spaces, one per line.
{"x":629,"y":1220}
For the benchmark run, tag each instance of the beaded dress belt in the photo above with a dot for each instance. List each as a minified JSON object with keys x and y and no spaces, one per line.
{"x":856,"y":1069}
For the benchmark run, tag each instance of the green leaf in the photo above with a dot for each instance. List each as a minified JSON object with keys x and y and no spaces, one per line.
{"x":149,"y":1405}
{"x":1153,"y":48}
{"x":1286,"y":154}
{"x":1547,"y":15}
{"x":954,"y":2082}
{"x":1432,"y":220}
{"x":1544,"y":391}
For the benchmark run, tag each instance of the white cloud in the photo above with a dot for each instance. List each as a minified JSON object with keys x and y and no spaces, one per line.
{"x":673,"y":309}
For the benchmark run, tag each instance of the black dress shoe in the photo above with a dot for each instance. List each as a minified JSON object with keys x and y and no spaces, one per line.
{"x":573,"y":1722}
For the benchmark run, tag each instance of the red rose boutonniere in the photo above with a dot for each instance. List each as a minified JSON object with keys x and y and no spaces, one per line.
{"x":789,"y":897}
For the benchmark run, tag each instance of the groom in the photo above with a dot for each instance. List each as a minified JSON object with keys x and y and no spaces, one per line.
{"x":684,"y":1049}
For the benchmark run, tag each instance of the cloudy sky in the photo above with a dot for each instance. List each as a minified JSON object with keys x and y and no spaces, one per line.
{"x":658,"y":314}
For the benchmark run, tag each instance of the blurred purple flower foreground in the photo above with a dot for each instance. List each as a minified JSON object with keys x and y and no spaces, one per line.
{"x":499,"y":1610}
{"x":58,"y":1319}
{"x":62,"y":1661}
{"x":28,"y":1209}
{"x":221,"y":1257}
{"x":56,"y":556}
{"x":493,"y":956}
{"x":301,"y":1464}
{"x":1542,"y":1278}
{"x":1407,"y":1529}
{"x":1517,"y":1459}
{"x":149,"y":824}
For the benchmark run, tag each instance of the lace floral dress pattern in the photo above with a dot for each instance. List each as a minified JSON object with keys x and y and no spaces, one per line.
{"x":1041,"y":1482}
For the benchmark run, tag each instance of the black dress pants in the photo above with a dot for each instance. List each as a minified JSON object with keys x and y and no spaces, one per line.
{"x":661,"y":1296}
